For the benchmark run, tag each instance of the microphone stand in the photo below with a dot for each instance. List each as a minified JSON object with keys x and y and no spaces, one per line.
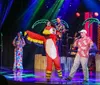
{"x":1,"y":45}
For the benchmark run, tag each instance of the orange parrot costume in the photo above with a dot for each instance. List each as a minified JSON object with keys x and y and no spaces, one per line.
{"x":49,"y":41}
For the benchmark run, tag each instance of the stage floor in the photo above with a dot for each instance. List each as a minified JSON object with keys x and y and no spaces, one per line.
{"x":28,"y":77}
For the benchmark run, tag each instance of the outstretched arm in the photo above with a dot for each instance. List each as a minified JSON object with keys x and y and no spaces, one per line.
{"x":34,"y":37}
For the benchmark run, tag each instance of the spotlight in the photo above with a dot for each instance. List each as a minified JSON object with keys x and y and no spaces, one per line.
{"x":96,"y":14}
{"x":77,"y":14}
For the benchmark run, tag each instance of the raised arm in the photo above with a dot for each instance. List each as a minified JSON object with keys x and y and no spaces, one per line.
{"x":14,"y":42}
{"x":23,"y":42}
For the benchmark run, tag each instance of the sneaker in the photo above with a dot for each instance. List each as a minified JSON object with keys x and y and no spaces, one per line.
{"x":85,"y":81}
{"x":68,"y":79}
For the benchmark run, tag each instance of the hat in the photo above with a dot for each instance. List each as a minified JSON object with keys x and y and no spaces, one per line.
{"x":83,"y":30}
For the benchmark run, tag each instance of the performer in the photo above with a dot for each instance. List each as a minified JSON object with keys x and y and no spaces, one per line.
{"x":83,"y":44}
{"x":92,"y":55}
{"x":60,"y":28}
{"x":18,"y":43}
{"x":49,"y":41}
{"x":60,"y":31}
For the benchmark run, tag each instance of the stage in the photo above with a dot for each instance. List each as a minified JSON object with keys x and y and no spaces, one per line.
{"x":29,"y":77}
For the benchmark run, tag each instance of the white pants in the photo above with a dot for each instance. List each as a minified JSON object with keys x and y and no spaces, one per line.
{"x":77,"y":61}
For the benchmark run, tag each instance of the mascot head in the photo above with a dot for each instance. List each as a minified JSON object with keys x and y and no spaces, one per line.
{"x":49,"y":29}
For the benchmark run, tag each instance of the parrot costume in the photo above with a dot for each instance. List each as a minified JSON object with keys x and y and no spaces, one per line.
{"x":49,"y":41}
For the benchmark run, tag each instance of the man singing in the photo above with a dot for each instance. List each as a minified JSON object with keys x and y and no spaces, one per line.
{"x":84,"y":44}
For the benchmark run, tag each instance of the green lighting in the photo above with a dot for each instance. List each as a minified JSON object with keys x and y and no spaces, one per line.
{"x":54,"y":10}
{"x":51,"y":10}
{"x":39,"y":22}
{"x":57,"y":9}
{"x":91,"y":20}
{"x":29,"y":75}
{"x":2,"y":72}
{"x":44,"y":21}
{"x":36,"y":11}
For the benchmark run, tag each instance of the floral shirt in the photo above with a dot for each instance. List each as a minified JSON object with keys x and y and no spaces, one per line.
{"x":84,"y":45}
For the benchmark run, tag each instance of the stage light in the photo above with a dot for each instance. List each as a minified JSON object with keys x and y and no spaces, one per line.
{"x":96,"y":14}
{"x":78,"y":14}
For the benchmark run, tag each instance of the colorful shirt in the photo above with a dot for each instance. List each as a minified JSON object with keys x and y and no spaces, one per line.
{"x":60,"y":30}
{"x":83,"y":45}
{"x":18,"y":53}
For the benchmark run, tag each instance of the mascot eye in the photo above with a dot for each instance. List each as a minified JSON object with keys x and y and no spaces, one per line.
{"x":51,"y":31}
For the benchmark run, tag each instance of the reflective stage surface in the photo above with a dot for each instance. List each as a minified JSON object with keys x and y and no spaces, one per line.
{"x":28,"y":77}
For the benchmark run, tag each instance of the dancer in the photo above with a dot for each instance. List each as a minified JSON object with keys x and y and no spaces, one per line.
{"x":18,"y":43}
{"x":49,"y":40}
{"x":84,"y":44}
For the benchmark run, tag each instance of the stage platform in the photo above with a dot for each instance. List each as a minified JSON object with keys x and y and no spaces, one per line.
{"x":29,"y":77}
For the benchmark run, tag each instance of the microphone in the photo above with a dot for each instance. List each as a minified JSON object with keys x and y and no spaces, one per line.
{"x":76,"y":38}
